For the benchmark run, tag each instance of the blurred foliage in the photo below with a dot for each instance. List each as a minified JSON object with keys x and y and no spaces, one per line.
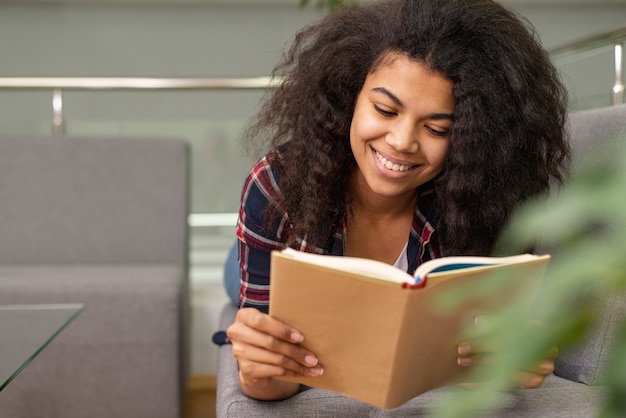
{"x":331,"y":5}
{"x":583,"y":225}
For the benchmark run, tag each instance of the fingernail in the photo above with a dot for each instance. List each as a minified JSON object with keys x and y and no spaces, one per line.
{"x":317,"y":371}
{"x":296,"y":337}
{"x":464,"y":349}
{"x":310,"y":360}
{"x":464,"y":361}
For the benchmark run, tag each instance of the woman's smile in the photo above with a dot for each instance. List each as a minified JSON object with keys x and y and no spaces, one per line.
{"x":389,"y":163}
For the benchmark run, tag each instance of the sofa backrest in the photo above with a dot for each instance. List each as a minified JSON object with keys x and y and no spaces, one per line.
{"x":586,"y":361}
{"x":93,"y":200}
{"x":594,"y":127}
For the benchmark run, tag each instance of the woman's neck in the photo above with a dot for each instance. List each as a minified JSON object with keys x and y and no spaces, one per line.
{"x":379,"y":226}
{"x":378,"y":207}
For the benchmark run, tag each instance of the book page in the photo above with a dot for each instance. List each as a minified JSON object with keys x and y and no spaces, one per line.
{"x":465,"y":262}
{"x":371,"y":268}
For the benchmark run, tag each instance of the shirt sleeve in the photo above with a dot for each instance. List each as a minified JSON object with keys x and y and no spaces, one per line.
{"x":262,"y":227}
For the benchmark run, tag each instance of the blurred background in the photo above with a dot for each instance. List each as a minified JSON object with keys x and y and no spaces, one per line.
{"x":234,"y":44}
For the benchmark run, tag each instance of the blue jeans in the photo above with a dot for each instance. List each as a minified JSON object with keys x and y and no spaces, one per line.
{"x":231,"y":274}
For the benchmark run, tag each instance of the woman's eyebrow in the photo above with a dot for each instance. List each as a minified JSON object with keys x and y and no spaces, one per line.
{"x":389,"y":94}
{"x":397,"y":101}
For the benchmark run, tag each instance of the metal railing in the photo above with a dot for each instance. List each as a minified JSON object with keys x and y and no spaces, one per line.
{"x":59,"y":84}
{"x":615,"y":38}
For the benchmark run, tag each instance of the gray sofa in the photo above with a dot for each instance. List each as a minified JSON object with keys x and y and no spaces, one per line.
{"x":99,"y":221}
{"x":572,"y":391}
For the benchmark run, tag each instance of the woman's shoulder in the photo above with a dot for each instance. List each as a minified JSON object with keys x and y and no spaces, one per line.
{"x":264,"y":176}
{"x":261,"y":212}
{"x":266,"y":167}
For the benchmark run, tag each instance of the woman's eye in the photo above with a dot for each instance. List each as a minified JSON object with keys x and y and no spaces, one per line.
{"x":437,"y":131}
{"x":383,"y":112}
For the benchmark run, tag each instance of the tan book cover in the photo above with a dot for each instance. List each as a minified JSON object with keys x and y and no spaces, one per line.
{"x":380,"y":341}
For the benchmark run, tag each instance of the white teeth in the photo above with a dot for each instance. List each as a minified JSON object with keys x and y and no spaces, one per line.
{"x":391,"y":166}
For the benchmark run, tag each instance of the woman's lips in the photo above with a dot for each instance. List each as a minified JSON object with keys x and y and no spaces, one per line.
{"x":390,"y":165}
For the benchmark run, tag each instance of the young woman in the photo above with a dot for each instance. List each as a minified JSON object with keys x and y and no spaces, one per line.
{"x":403,"y":131}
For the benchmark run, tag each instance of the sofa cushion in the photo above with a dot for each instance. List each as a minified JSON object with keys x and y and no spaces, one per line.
{"x":119,"y":358}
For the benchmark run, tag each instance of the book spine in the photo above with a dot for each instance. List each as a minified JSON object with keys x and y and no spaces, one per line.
{"x":419,"y":283}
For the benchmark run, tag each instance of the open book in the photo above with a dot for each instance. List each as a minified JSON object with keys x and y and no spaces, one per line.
{"x":372,"y":269}
{"x":382,"y":335}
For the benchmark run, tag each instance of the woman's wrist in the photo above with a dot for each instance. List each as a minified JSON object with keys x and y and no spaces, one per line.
{"x":269,"y":390}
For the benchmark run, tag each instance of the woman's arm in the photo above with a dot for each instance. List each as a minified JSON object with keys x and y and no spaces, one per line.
{"x":264,"y":347}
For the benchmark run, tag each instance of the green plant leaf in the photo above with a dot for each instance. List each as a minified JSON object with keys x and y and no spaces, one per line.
{"x":331,"y":5}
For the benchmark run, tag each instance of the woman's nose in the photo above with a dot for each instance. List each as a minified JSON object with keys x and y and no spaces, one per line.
{"x":403,"y":139}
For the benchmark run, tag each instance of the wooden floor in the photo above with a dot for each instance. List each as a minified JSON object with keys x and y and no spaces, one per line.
{"x":200,"y":398}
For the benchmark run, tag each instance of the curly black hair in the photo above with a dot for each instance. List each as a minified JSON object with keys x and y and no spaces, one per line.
{"x":508,"y":140}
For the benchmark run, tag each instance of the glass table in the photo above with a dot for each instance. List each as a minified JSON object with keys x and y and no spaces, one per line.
{"x":25,"y":330}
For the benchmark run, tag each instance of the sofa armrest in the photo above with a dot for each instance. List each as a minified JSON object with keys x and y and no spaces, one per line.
{"x":586,"y":361}
{"x":558,"y":397}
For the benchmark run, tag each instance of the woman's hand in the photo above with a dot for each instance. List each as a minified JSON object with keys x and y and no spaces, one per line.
{"x":534,"y":378}
{"x":266,"y":348}
{"x":470,"y":354}
{"x":527,"y":379}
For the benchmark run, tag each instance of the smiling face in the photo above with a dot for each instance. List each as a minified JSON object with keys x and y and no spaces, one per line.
{"x":400,"y":127}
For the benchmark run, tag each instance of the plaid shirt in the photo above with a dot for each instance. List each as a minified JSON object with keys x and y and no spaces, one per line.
{"x":260,"y":204}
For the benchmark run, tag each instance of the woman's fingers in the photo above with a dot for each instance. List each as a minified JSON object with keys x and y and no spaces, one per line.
{"x":466,"y":355}
{"x":258,"y":363}
{"x":553,"y":353}
{"x":528,"y":379}
{"x":297,"y":361}
{"x":266,"y":347}
{"x":259,"y":321}
{"x":479,"y":351}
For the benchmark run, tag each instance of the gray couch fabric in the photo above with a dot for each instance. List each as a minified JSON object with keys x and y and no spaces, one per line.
{"x":586,"y":361}
{"x":100,"y":221}
{"x":590,"y":131}
{"x":93,"y":200}
{"x":573,"y":391}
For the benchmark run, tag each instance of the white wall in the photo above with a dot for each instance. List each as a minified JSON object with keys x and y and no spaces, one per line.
{"x":135,"y":40}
